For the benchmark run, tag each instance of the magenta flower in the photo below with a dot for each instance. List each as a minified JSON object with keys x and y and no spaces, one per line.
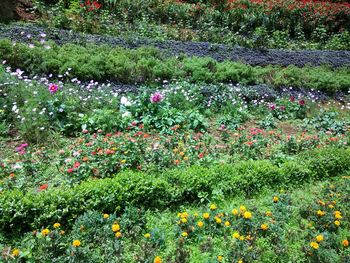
{"x":301,"y":102}
{"x":22,"y":149}
{"x":292,"y":98}
{"x":53,"y":88}
{"x":156,"y":97}
{"x":282,"y":108}
{"x":272,"y":106}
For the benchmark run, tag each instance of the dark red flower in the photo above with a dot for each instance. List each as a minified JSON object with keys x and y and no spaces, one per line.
{"x":301,"y":102}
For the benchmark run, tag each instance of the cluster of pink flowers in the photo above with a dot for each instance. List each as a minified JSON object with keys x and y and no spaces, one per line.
{"x":22,"y":148}
{"x":156,"y":97}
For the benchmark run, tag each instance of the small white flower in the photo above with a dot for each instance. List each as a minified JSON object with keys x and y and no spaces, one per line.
{"x":124,"y":101}
{"x":126,"y":114}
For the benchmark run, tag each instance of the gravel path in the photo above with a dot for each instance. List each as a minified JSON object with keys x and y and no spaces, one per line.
{"x":201,"y":49}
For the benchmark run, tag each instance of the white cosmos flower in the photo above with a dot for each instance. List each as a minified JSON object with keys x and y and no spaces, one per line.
{"x":124,"y":101}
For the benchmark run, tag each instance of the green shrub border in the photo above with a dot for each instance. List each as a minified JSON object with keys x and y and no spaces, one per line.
{"x":145,"y":65}
{"x":20,"y":212}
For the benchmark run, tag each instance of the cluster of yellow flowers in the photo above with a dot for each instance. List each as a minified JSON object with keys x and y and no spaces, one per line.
{"x":319,"y":239}
{"x":116,"y":230}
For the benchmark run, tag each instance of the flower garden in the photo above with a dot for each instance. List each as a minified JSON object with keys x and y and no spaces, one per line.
{"x":175,"y":131}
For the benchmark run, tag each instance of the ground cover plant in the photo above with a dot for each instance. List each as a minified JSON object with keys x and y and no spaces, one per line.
{"x":143,"y":154}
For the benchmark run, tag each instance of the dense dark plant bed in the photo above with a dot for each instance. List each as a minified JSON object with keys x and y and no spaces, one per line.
{"x":201,"y":49}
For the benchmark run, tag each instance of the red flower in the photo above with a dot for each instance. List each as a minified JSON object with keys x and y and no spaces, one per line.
{"x":43,"y":187}
{"x":301,"y":102}
{"x":76,"y":165}
{"x":201,"y":155}
{"x":292,"y":98}
{"x":70,"y":170}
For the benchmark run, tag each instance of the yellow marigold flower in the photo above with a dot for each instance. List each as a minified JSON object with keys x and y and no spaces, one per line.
{"x":264,"y":227}
{"x":115,"y":227}
{"x":235,"y":212}
{"x":184,"y":234}
{"x":200,"y":224}
{"x":182,"y":153}
{"x":345,"y":243}
{"x":76,"y":243}
{"x":147,"y":235}
{"x":331,"y":206}
{"x":337,"y":215}
{"x":105,"y":216}
{"x":240,"y":261}
{"x":220,"y":258}
{"x":314,"y":245}
{"x":195,"y":214}
{"x":213,"y":207}
{"x":227,"y":223}
{"x":247,"y":215}
{"x":62,"y":232}
{"x":179,"y":214}
{"x":275,"y":199}
{"x":15,"y":252}
{"x":184,"y":220}
{"x":218,"y":220}
{"x":320,"y":213}
{"x":241,"y":238}
{"x":184,"y":215}
{"x":45,"y":232}
{"x":337,"y":222}
{"x":186,"y":158}
{"x":268,"y":213}
{"x":319,"y":238}
{"x":249,"y":237}
{"x":235,"y":235}
{"x":242,"y":208}
{"x":157,"y":259}
{"x":123,"y":161}
{"x":206,"y":215}
{"x":56,"y":225}
{"x":118,"y":234}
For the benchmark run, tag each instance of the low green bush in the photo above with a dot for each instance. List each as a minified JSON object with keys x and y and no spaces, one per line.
{"x":147,"y":65}
{"x":21,"y":211}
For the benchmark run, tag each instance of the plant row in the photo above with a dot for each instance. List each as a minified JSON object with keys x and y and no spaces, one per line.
{"x":21,"y":211}
{"x":248,"y":23}
{"x":150,"y":65}
{"x":288,"y":226}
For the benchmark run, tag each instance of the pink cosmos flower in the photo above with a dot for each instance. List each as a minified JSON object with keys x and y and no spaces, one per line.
{"x":53,"y":88}
{"x":272,"y":106}
{"x":156,"y":97}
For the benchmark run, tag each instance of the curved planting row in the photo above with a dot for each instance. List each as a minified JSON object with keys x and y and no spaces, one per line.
{"x":20,"y":211}
{"x":200,"y":49}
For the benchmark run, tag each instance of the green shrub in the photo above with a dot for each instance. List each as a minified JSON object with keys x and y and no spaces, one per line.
{"x":22,"y":211}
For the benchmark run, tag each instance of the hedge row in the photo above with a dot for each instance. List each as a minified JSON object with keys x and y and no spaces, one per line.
{"x":24,"y":211}
{"x":148,"y":64}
